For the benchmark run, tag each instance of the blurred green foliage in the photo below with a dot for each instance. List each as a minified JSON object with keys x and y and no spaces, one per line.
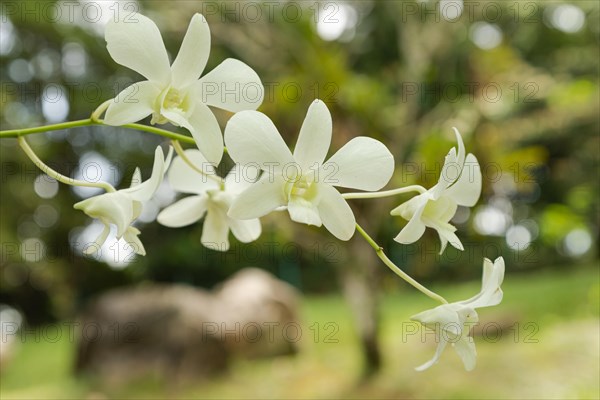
{"x":526,"y":104}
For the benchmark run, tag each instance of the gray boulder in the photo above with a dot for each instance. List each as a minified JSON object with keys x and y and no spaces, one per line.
{"x":150,"y":331}
{"x":259,"y":314}
{"x":178,"y":332}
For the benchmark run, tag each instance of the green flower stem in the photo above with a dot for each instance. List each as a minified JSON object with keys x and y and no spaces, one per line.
{"x":379,"y":251}
{"x":56,"y":175}
{"x":181,"y":153}
{"x":100,"y":110}
{"x":13,"y":133}
{"x":161,"y":132}
{"x":385,"y":193}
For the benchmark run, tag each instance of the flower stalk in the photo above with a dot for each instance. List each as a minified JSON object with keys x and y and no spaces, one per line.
{"x":56,"y":175}
{"x":15,"y":133}
{"x":100,"y":110}
{"x":384,"y":193}
{"x":397,"y":270}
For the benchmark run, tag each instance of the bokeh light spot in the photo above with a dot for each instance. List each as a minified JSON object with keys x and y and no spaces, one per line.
{"x":518,"y":237}
{"x":45,"y":187}
{"x":486,"y":36}
{"x":578,"y":242}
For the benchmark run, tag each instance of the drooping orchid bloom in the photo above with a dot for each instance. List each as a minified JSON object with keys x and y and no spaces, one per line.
{"x":459,"y":185}
{"x":452,"y":322}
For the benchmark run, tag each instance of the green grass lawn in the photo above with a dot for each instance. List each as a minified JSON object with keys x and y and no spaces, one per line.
{"x":548,"y":349}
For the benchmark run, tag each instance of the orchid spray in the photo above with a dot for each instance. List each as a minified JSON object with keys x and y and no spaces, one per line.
{"x":266,"y":177}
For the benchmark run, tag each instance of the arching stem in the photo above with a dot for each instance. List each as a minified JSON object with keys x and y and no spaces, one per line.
{"x":56,"y":175}
{"x":385,"y":193}
{"x":379,"y":251}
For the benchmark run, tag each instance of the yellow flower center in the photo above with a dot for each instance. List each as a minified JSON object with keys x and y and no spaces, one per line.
{"x":171,"y":99}
{"x":303,"y":187}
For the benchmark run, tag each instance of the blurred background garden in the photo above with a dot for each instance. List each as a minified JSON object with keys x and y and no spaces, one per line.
{"x":519,"y":79}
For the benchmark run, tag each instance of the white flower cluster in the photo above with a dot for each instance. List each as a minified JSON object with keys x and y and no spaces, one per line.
{"x":267,"y":175}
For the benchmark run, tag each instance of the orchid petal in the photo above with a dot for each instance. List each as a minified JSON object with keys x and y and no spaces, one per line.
{"x":441,"y":318}
{"x":132,"y":104}
{"x":115,"y":208}
{"x":177,"y":117}
{"x":408,"y":209}
{"x":448,"y":175}
{"x":460,"y":156}
{"x":137,"y":209}
{"x":488,"y":270}
{"x":231,"y":86}
{"x":453,"y":167}
{"x":184,"y":179}
{"x":207,"y":133}
{"x":193,"y":53}
{"x":96,"y":245}
{"x":500,"y":268}
{"x":491,"y":293}
{"x":467,"y":189}
{"x":440,"y":211}
{"x":245,"y":231}
{"x":448,"y":236}
{"x":205,"y":129}
{"x":336,"y":214}
{"x":315,"y":136}
{"x":138,"y":45}
{"x":465,"y":347}
{"x":259,"y":199}
{"x":184,"y":212}
{"x":444,"y":243}
{"x":215,"y":232}
{"x":146,"y":190}
{"x":251,"y":138}
{"x":415,"y":227}
{"x":303,"y":211}
{"x":240,"y":178}
{"x":438,"y":352}
{"x":363,"y":163}
{"x":136,"y":178}
{"x":132,"y":239}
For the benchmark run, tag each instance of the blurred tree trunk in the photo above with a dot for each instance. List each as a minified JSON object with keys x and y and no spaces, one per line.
{"x":358,"y":272}
{"x":359,"y":279}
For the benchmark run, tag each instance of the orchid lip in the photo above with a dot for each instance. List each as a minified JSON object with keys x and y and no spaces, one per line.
{"x":303,"y":187}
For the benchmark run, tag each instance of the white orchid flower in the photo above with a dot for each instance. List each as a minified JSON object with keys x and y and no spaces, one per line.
{"x":302,"y":181}
{"x":173,"y":93}
{"x":122,"y":207}
{"x":212,"y":197}
{"x":459,"y":185}
{"x":452,"y":322}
